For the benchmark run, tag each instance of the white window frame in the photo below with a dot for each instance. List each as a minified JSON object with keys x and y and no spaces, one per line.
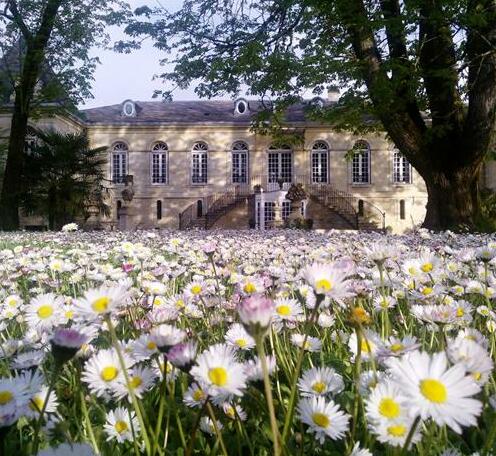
{"x":279,"y":152}
{"x":160,"y":151}
{"x":200,"y":150}
{"x":120,"y":150}
{"x":319,"y":149}
{"x":361,"y":155}
{"x":400,"y":164}
{"x":240,"y":148}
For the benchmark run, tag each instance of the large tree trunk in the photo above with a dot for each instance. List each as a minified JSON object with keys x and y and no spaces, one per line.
{"x":453,"y":200}
{"x":9,"y":198}
{"x":32,"y":64}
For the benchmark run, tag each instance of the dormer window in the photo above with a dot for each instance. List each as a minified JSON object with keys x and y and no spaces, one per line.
{"x":241,"y":106}
{"x":128,"y":108}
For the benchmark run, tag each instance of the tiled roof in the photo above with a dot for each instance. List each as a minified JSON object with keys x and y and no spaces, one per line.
{"x":177,"y":112}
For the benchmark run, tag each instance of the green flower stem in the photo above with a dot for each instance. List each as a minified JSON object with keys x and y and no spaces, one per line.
{"x":404,"y":450}
{"x":489,"y":445}
{"x":268,"y":394}
{"x":356,"y":378}
{"x":216,"y":428}
{"x":115,"y":343}
{"x":88,"y":422}
{"x":294,"y":380}
{"x":162,"y":394}
{"x":51,"y":387}
{"x":189,"y":450}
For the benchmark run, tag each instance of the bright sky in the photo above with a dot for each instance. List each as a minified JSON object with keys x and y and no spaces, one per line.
{"x":122,"y":76}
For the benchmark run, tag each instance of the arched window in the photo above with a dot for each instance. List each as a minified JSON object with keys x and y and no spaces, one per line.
{"x":119,"y":163}
{"x":239,"y":162}
{"x":159,"y":163}
{"x":240,"y":106}
{"x":280,"y":164}
{"x":402,"y":170}
{"x":360,"y":167}
{"x":199,"y":208}
{"x":199,"y":168}
{"x":159,"y":210}
{"x":320,"y":163}
{"x":402,"y":210}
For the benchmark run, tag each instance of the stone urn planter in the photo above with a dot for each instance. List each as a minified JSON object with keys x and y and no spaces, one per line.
{"x":296,"y":194}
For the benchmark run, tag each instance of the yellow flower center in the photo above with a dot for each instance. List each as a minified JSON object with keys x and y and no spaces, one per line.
{"x":427,"y":291}
{"x":12,"y":302}
{"x":5,"y":397}
{"x":100,"y":305}
{"x":121,"y":426}
{"x":218,"y":376}
{"x":198,"y":395}
{"x":460,"y":312}
{"x":69,"y":314}
{"x":196,"y":289}
{"x":412,"y":271}
{"x":230,"y":412}
{"x":321,"y":420}
{"x":36,"y":403}
{"x":323,"y":285}
{"x":397,"y":347}
{"x":283,"y":310}
{"x":389,"y":408}
{"x":151,"y":345}
{"x":477,"y":376}
{"x":45,"y":311}
{"x":360,"y":315}
{"x":427,"y":267}
{"x":367,"y":346}
{"x":109,"y":373}
{"x":319,"y":387}
{"x":241,"y":343}
{"x":179,"y":304}
{"x":397,"y":430}
{"x":433,"y":390}
{"x":135,"y":382}
{"x":249,"y":288}
{"x":384,"y":304}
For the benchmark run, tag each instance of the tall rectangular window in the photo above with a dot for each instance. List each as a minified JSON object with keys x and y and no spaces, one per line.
{"x":118,"y":167}
{"x":199,"y":167}
{"x":239,"y":160}
{"x":159,"y":163}
{"x":269,"y":213}
{"x":280,"y":166}
{"x":402,"y":173}
{"x":119,"y":163}
{"x":360,"y":166}
{"x":320,"y":165}
{"x":286,"y":209}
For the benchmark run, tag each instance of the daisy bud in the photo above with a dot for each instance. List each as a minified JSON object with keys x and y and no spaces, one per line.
{"x":360,"y":316}
{"x":183,"y":355}
{"x":256,"y":314}
{"x":166,"y":336}
{"x":66,"y":342}
{"x":209,"y":248}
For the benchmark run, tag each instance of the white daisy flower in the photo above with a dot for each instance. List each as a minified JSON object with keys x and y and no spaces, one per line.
{"x":386,"y":403}
{"x":357,"y":450}
{"x":287,"y":309}
{"x":436,"y":391}
{"x":194,"y":396}
{"x":101,"y":301}
{"x":103,"y":371}
{"x":327,"y":279}
{"x":253,"y":368}
{"x":68,"y":449}
{"x":370,"y":345}
{"x":473,"y":357}
{"x":311,"y":344}
{"x":320,"y":381}
{"x":234,"y":411}
{"x":207,"y":425}
{"x":324,"y":418}
{"x":166,"y":336}
{"x":141,"y":379}
{"x":37,"y":401}
{"x":396,"y":432}
{"x":218,"y":372}
{"x":44,"y":311}
{"x":238,"y":337}
{"x":121,"y":425}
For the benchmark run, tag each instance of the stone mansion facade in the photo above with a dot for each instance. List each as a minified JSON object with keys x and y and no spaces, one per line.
{"x":200,"y":164}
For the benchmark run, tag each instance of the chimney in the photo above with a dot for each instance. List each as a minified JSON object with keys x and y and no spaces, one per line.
{"x":333,"y":94}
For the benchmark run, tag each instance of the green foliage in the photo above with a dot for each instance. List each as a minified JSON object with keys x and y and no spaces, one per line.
{"x":68,"y":64}
{"x":63,"y":178}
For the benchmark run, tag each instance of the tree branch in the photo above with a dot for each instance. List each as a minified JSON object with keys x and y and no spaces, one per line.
{"x":18,"y":20}
{"x":438,"y":66}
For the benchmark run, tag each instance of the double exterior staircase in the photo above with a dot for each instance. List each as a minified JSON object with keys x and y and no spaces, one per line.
{"x":217,"y":205}
{"x":341,"y":205}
